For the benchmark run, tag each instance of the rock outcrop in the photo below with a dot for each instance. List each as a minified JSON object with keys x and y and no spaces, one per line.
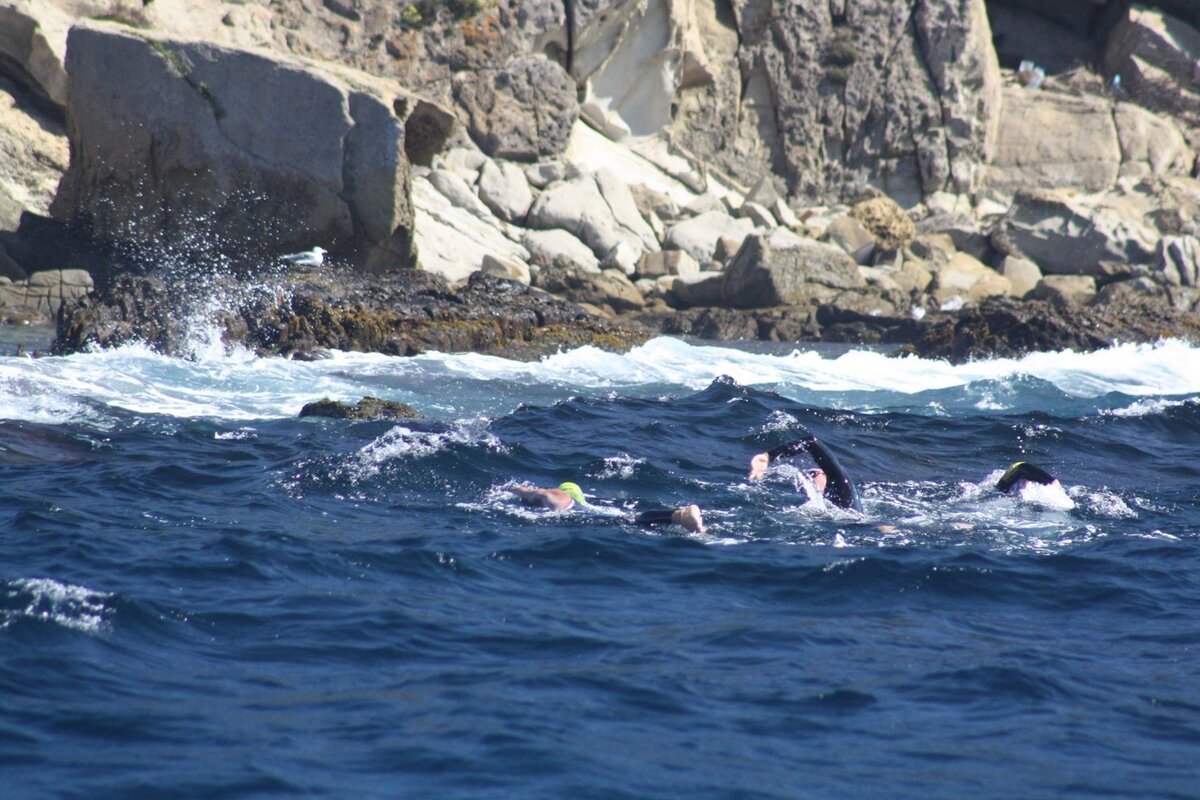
{"x":367,"y":408}
{"x":170,"y":147}
{"x":401,"y":313}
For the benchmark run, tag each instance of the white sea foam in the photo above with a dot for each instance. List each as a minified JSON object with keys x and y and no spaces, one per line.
{"x":403,"y":443}
{"x":620,"y":466}
{"x":235,"y":385}
{"x":65,"y":604}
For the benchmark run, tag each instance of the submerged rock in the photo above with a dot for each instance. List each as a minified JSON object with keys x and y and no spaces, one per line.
{"x":366,"y":408}
{"x":398,"y":313}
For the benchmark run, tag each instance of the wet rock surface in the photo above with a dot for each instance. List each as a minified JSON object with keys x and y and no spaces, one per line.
{"x":400,"y":313}
{"x":367,"y":408}
{"x":1004,"y":328}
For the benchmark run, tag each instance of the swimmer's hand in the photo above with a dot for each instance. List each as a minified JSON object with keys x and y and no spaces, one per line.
{"x":758,"y":466}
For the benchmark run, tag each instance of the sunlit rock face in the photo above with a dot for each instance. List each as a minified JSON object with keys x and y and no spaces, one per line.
{"x":170,"y":148}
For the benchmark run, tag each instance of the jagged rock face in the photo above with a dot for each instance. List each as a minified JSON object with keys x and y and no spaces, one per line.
{"x":1156,"y":57}
{"x":170,"y":146}
{"x":521,"y":112}
{"x":902,"y":95}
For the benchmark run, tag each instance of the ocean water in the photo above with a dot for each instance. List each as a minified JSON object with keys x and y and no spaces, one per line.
{"x":203,"y":596}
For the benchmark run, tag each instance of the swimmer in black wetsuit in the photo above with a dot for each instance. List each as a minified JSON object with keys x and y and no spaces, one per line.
{"x":1020,"y":475}
{"x":569,"y":494}
{"x":830,"y":478}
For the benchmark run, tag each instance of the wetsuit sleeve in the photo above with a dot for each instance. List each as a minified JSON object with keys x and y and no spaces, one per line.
{"x":655,"y":516}
{"x":1024,"y":471}
{"x":839,"y":489}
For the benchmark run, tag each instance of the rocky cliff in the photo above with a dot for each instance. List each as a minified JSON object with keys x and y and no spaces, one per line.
{"x":728,"y":168}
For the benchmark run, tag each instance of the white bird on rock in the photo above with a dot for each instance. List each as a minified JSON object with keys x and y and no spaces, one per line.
{"x":309,"y":258}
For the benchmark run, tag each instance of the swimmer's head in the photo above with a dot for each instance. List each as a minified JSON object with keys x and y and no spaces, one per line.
{"x":573,"y":491}
{"x":818,"y":477}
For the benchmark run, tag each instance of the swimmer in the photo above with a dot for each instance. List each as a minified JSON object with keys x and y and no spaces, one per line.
{"x":1021,"y":474}
{"x":829,"y":478}
{"x":569,"y":494}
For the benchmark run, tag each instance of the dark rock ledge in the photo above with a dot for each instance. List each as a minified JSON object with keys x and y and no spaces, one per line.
{"x":401,"y":313}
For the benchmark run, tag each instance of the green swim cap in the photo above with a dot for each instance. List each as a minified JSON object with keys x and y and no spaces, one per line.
{"x":573,"y":491}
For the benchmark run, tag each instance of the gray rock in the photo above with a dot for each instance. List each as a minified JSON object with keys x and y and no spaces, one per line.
{"x":783,"y":238}
{"x":758,"y":214}
{"x":623,"y":257}
{"x":698,"y":289}
{"x":578,"y":206}
{"x":548,"y":246}
{"x":1074,"y":290}
{"x":463,"y":161}
{"x":624,"y":208}
{"x":968,"y":279}
{"x":545,"y":173}
{"x":963,"y":231}
{"x":506,"y":268}
{"x":850,"y":235}
{"x":760,"y":277}
{"x":699,"y":235}
{"x":607,"y":288}
{"x":33,"y":36}
{"x":1178,"y":260}
{"x":504,"y":189}
{"x":798,"y":87}
{"x":522,"y":112}
{"x":1022,"y":274}
{"x":783,"y":212}
{"x":456,"y":190}
{"x":1132,"y":292}
{"x":220,"y":163}
{"x":45,"y":292}
{"x":1066,"y":234}
{"x":667,"y":262}
{"x":704,"y":203}
{"x":1151,"y":144}
{"x":1052,"y":140}
{"x":1156,"y":55}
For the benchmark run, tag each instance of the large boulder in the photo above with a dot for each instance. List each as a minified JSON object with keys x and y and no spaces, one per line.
{"x":1051,"y":140}
{"x":453,"y":242}
{"x":33,"y":43}
{"x":581,"y":206}
{"x":761,"y":276}
{"x":700,"y":235}
{"x":1069,"y":234}
{"x":170,"y":146}
{"x":969,"y":280}
{"x":1155,"y":55}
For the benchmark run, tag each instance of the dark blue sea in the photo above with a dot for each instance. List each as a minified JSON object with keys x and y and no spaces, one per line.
{"x":204,"y":596}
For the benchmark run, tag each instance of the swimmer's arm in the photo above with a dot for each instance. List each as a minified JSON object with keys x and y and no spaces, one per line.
{"x":553,"y":499}
{"x":761,"y":461}
{"x":838,"y":487}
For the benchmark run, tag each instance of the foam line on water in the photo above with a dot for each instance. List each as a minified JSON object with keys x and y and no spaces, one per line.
{"x":236,"y":385}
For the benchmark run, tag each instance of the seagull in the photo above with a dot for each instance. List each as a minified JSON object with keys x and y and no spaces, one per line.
{"x":309,"y":258}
